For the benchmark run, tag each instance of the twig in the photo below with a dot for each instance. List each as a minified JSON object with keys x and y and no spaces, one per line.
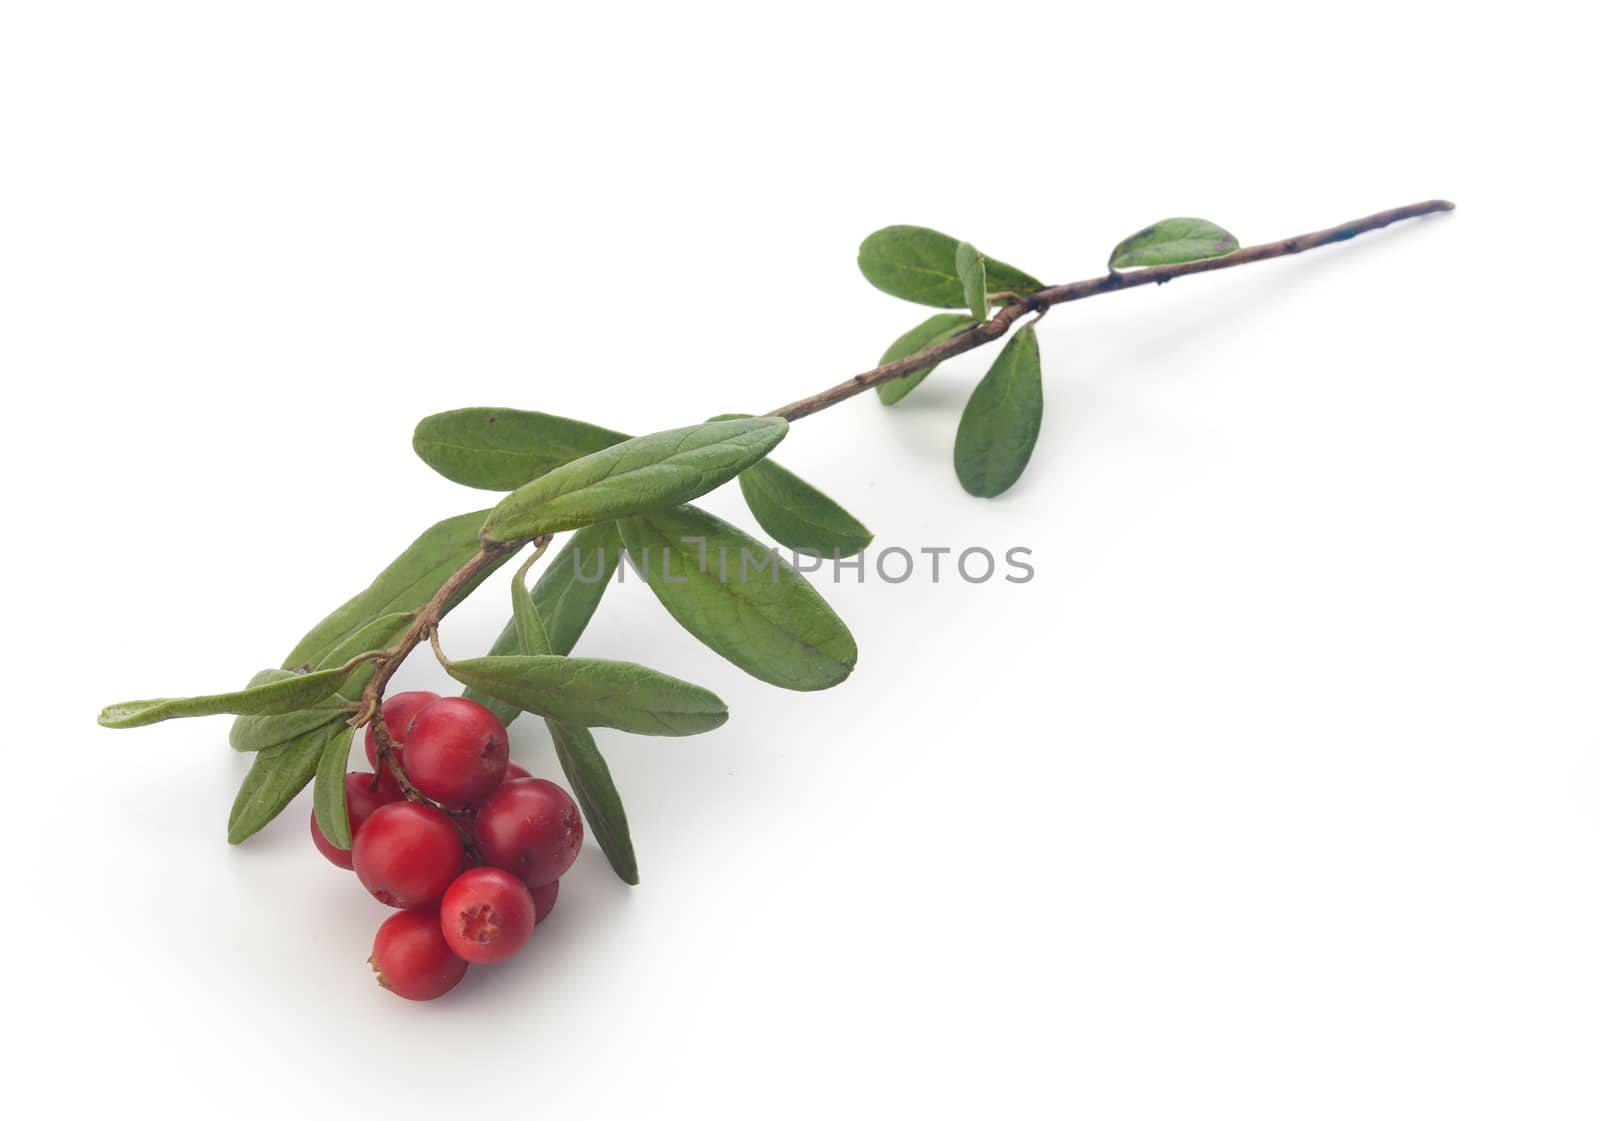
{"x":1002,"y":321}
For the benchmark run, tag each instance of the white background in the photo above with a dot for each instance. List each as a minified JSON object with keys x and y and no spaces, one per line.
{"x":1275,"y":794}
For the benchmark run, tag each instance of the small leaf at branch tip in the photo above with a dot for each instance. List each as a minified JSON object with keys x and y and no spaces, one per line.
{"x":1173,"y":241}
{"x":919,"y":264}
{"x":974,"y":283}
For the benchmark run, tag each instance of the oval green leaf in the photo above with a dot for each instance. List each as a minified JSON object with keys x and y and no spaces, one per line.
{"x":595,"y":693}
{"x":644,"y":473}
{"x":286,"y":694}
{"x":930,"y":331}
{"x":276,"y":776}
{"x":799,"y":515}
{"x":531,"y":636}
{"x":597,"y":796}
{"x":739,"y":597}
{"x":500,"y":449}
{"x":253,"y":733}
{"x":1173,"y":241}
{"x":327,"y":796}
{"x":409,"y":582}
{"x":1001,"y":421}
{"x":974,"y":281}
{"x":919,"y":264}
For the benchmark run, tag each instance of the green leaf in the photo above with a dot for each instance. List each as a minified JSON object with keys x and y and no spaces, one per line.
{"x":919,"y":264}
{"x":1173,"y":241}
{"x":974,"y":280}
{"x":276,"y":776}
{"x":500,"y":449}
{"x":594,"y":693}
{"x":409,"y":582}
{"x":327,"y":797}
{"x":531,"y":637}
{"x":799,"y":515}
{"x":930,"y":331}
{"x":566,"y":594}
{"x":644,"y":473}
{"x":570,"y":585}
{"x":252,"y":733}
{"x":256,"y":733}
{"x":286,"y":694}
{"x":768,"y":621}
{"x":597,"y":796}
{"x":1001,"y":421}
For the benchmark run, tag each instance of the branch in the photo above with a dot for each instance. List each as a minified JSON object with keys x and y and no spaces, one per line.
{"x":428,"y":616}
{"x":1006,"y":317}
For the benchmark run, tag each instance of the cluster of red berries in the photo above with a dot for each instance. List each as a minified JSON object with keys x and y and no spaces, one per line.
{"x":474,"y":872}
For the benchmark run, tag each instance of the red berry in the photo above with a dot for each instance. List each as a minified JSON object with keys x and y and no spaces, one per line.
{"x":411,"y":957}
{"x":407,"y":853}
{"x":544,"y":900}
{"x":398,"y":711}
{"x":456,"y":751}
{"x":531,"y":828}
{"x":516,"y":771}
{"x":487,"y":915}
{"x":360,"y":800}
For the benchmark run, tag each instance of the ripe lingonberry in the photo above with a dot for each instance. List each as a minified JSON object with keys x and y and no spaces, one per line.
{"x":412,"y":958}
{"x":531,"y":828}
{"x":544,"y":900}
{"x":456,"y":751}
{"x":487,"y":915}
{"x":360,"y":801}
{"x":397,"y":713}
{"x":516,"y":771}
{"x":407,"y":853}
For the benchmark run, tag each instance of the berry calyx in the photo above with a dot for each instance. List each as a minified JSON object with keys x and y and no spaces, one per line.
{"x":398,"y":711}
{"x":456,"y":751}
{"x":544,"y":900}
{"x":360,"y":800}
{"x":531,"y":828}
{"x":412,"y":958}
{"x":407,"y":854}
{"x":487,"y":915}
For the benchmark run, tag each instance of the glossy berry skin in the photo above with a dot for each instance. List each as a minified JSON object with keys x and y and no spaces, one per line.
{"x":398,"y":712}
{"x":531,"y":828}
{"x":407,"y":854}
{"x":487,"y":915}
{"x":360,"y":801}
{"x":412,"y":958}
{"x":456,"y":751}
{"x":544,"y":900}
{"x":516,"y":771}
